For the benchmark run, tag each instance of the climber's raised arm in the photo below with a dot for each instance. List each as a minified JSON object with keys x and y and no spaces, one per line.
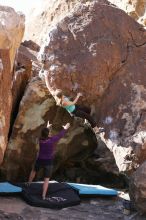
{"x":77,"y":97}
{"x":48,"y":83}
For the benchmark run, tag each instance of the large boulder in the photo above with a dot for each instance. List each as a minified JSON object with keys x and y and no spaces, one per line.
{"x":138,"y":188}
{"x":134,"y":8}
{"x":36,"y":108}
{"x":99,"y":50}
{"x":39,"y":18}
{"x":11,"y":33}
{"x":75,"y":152}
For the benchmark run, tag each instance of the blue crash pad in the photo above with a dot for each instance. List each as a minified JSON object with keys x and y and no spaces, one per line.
{"x":7,"y":188}
{"x":85,"y":189}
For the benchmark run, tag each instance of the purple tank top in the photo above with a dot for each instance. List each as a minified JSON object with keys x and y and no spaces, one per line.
{"x":46,"y":151}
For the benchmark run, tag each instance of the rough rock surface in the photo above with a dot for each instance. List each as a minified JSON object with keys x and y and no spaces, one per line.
{"x":100,"y":51}
{"x":11,"y":33}
{"x":138,"y":188}
{"x":75,"y":157}
{"x":33,"y":110}
{"x":31,"y":45}
{"x":80,"y":157}
{"x":93,"y":209}
{"x":134,"y":8}
{"x":22,"y":73}
{"x":48,"y":13}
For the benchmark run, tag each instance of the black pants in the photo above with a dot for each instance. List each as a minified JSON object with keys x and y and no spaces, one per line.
{"x":46,"y":165}
{"x":84,"y":112}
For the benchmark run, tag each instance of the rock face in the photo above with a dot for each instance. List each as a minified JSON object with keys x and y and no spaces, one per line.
{"x":21,"y":149}
{"x":36,"y":108}
{"x":100,"y":51}
{"x":80,"y":157}
{"x":138,"y":188}
{"x":75,"y":152}
{"x":11,"y":33}
{"x":22,"y":73}
{"x":77,"y":156}
{"x":48,"y":13}
{"x":134,"y":8}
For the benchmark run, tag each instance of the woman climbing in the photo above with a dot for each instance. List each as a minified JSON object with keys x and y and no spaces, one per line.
{"x":71,"y":106}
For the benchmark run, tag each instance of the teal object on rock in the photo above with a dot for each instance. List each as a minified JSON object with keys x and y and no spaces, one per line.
{"x":70,"y":108}
{"x":8,"y":188}
{"x":85,"y":189}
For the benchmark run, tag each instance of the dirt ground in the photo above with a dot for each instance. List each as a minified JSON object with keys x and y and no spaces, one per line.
{"x":14,"y":208}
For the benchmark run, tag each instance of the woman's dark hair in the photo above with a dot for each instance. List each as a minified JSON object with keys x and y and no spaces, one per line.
{"x":59,"y":93}
{"x":44,"y":133}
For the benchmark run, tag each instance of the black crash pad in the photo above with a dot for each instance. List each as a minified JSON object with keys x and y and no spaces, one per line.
{"x":60,"y":195}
